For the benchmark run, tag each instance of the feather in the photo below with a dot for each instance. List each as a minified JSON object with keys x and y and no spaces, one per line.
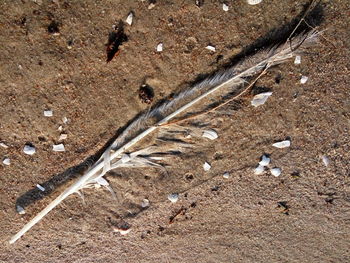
{"x":117,"y":155}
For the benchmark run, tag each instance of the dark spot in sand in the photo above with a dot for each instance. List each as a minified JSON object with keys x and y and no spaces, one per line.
{"x":53,"y":28}
{"x":146,"y":94}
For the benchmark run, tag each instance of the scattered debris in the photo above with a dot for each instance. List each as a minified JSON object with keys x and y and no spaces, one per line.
{"x":297,"y":60}
{"x":129,"y":18}
{"x":29,"y":149}
{"x":210,"y":134}
{"x":276,"y":171}
{"x":225,"y":7}
{"x":199,"y":3}
{"x":60,"y":128}
{"x":3,"y":145}
{"x":181,"y":211}
{"x":115,"y":39}
{"x":325,"y":160}
{"x":254,"y":2}
{"x":58,"y":147}
{"x":20,"y":210}
{"x":40,"y":187}
{"x":226,"y":175}
{"x":146,"y":94}
{"x":62,"y":137}
{"x":304,"y":79}
{"x":282,"y":144}
{"x":6,"y":161}
{"x":173,"y":197}
{"x":211,"y":48}
{"x":160,"y":47}
{"x":48,"y":113}
{"x":260,"y":99}
{"x":265,"y":160}
{"x":206,"y":166}
{"x":259,"y":170}
{"x":145,"y":203}
{"x":284,"y":206}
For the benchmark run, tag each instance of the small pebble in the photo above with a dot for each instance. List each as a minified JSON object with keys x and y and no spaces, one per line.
{"x":145,"y":203}
{"x":254,"y":2}
{"x":224,"y":7}
{"x":40,"y":187}
{"x":260,"y":99}
{"x":303,"y":79}
{"x":60,"y":128}
{"x":226,"y":175}
{"x":122,"y":231}
{"x":206,"y":166}
{"x":265,"y":161}
{"x":58,"y":147}
{"x":151,"y":6}
{"x":48,"y":113}
{"x":3,"y":145}
{"x":259,"y":170}
{"x":276,"y":172}
{"x":20,"y":210}
{"x":29,"y":149}
{"x":325,"y":160}
{"x":160,"y":47}
{"x":282,"y":144}
{"x":210,"y":134}
{"x":173,"y":197}
{"x":211,"y":48}
{"x":6,"y":161}
{"x":129,"y":18}
{"x":297,"y":60}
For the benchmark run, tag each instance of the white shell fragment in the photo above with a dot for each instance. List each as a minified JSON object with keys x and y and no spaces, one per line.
{"x":259,"y":170}
{"x":265,"y":161}
{"x":254,"y":2}
{"x":65,"y":120}
{"x":60,"y":128}
{"x":297,"y":60}
{"x":276,"y":172}
{"x":62,"y":137}
{"x":211,"y":48}
{"x":122,"y":231}
{"x":145,"y":203}
{"x":160,"y":47}
{"x":40,"y":187}
{"x":48,"y":113}
{"x":206,"y":166}
{"x":226,"y":175}
{"x":325,"y":160}
{"x":210,"y":134}
{"x":224,"y":7}
{"x":58,"y":147}
{"x":304,"y":79}
{"x":3,"y":145}
{"x":29,"y":149}
{"x":173,"y":197}
{"x":6,"y":161}
{"x":260,"y":99}
{"x":20,"y":210}
{"x":282,"y":144}
{"x":129,"y":18}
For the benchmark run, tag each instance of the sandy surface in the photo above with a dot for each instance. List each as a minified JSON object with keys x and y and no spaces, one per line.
{"x":217,"y":220}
